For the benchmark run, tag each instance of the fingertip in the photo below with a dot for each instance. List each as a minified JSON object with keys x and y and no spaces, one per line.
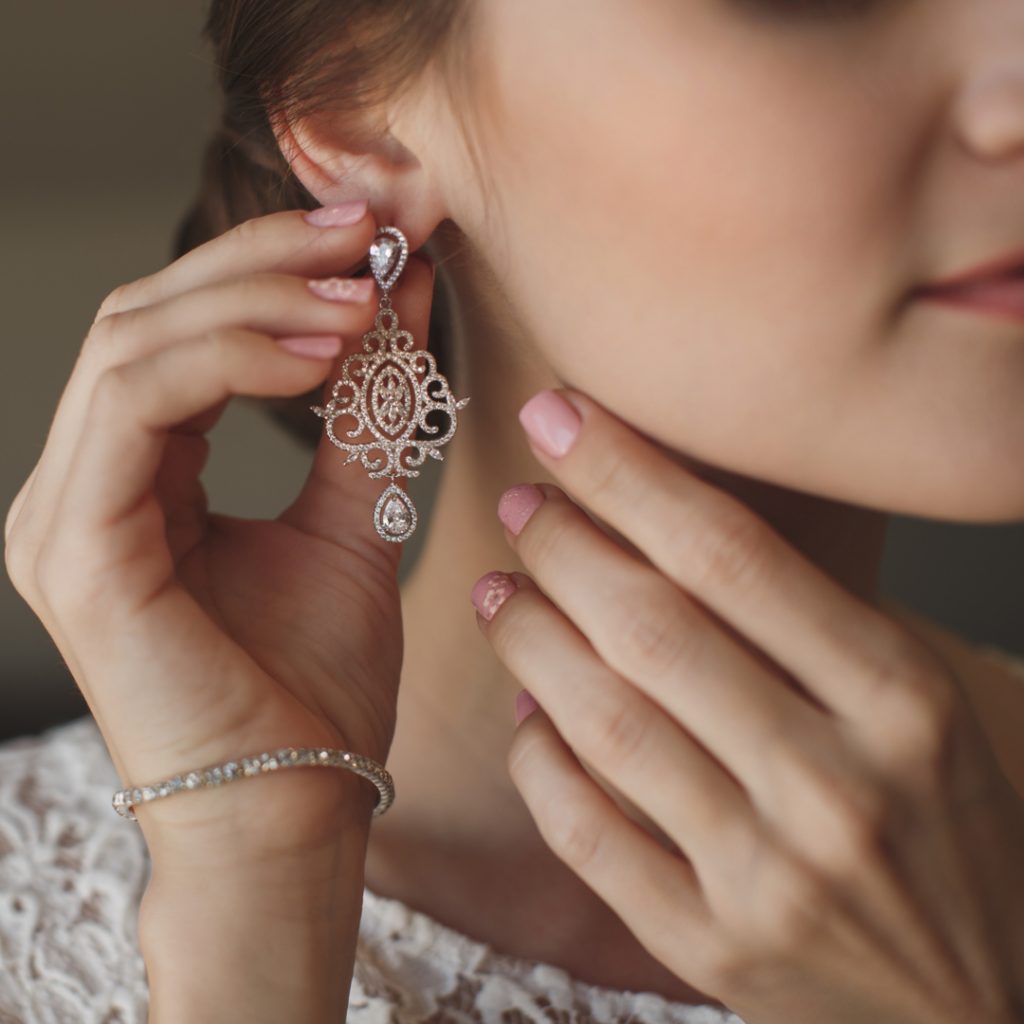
{"x":312,"y":346}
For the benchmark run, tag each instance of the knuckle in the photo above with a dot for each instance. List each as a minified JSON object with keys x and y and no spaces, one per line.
{"x":849,"y":809}
{"x":619,"y":732}
{"x":612,"y":474}
{"x":226,"y":352}
{"x":852,"y":833}
{"x":21,"y":543}
{"x":793,"y":906}
{"x":245,"y":233}
{"x":111,"y":393}
{"x":650,"y":633}
{"x":115,"y":301}
{"x":254,"y":290}
{"x":735,"y":552}
{"x":105,"y":334}
{"x":219,"y":342}
{"x":918,"y":713}
{"x":18,"y":563}
{"x":573,"y":835}
{"x":543,"y":546}
{"x":15,"y":508}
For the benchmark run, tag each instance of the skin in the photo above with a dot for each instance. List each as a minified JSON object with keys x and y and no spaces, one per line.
{"x":711,"y":185}
{"x":714,"y":246}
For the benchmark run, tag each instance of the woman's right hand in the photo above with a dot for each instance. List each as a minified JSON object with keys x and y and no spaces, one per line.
{"x":197,"y":637}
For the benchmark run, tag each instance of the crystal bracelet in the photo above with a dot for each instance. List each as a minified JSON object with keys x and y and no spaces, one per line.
{"x":125,"y":800}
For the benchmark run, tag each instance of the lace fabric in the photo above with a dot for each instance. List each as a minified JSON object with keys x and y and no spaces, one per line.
{"x":72,"y":873}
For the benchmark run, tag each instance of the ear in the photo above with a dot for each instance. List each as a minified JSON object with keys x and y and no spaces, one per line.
{"x":337,"y":160}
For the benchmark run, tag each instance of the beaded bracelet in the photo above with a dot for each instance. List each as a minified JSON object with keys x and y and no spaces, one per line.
{"x":124,"y":800}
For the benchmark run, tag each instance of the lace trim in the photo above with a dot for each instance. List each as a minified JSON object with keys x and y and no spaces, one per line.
{"x":70,"y":884}
{"x":72,"y":874}
{"x":409,"y":957}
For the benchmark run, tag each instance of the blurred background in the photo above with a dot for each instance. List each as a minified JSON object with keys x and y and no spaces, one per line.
{"x":108,"y":105}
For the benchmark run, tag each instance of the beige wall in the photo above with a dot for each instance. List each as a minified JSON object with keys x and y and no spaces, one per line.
{"x":106,"y":106}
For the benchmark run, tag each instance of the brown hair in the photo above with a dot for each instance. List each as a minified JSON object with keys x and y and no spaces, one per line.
{"x":299,"y":57}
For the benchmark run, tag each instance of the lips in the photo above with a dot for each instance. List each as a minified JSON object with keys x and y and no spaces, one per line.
{"x":1010,"y":266}
{"x":1000,"y":297}
{"x":995,"y":287}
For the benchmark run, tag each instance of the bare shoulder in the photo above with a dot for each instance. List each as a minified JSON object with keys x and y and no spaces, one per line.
{"x":993,"y":682}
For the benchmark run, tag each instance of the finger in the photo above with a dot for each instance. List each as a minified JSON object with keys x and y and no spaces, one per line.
{"x":274,"y":304}
{"x":124,"y":329}
{"x":650,"y":632}
{"x":282,"y":242}
{"x":626,"y":737}
{"x":840,"y":648}
{"x":15,"y":507}
{"x":338,"y":498}
{"x":270,"y":303}
{"x":653,"y":891}
{"x":108,"y":503}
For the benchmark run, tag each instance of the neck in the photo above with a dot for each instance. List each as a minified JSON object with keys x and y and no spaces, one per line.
{"x":456,"y":700}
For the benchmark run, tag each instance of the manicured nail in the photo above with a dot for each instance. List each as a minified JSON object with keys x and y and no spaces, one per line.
{"x":525,"y":705}
{"x":342,"y":289}
{"x":316,"y":346}
{"x":551,"y":422}
{"x":517,"y":504}
{"x":490,"y":592}
{"x":338,"y":215}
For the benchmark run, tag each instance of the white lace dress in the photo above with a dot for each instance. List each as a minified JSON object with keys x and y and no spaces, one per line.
{"x":72,"y":873}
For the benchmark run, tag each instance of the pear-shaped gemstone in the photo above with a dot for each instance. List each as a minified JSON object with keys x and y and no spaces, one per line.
{"x":395,"y":515}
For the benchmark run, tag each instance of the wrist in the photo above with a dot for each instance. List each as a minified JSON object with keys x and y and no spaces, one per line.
{"x":263,"y":823}
{"x":234,"y":936}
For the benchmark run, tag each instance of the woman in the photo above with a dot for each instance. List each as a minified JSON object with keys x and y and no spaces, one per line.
{"x":732,"y":282}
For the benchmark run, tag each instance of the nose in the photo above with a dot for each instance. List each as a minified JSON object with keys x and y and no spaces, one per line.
{"x":990,"y":109}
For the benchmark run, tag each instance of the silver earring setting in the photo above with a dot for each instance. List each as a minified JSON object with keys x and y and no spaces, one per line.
{"x":381,"y":388}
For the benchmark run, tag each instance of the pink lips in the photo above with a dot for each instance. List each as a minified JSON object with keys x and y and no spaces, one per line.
{"x":996,"y":288}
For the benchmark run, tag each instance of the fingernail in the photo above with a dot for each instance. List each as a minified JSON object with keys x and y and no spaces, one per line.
{"x":517,"y":504}
{"x":490,"y":593}
{"x":525,"y":705}
{"x":342,"y":289}
{"x":551,"y":422}
{"x":316,"y":346}
{"x":338,"y":215}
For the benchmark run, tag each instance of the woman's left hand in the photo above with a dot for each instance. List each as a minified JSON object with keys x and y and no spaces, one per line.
{"x":814,"y":826}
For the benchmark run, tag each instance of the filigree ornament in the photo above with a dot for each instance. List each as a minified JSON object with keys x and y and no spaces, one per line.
{"x":381,"y":388}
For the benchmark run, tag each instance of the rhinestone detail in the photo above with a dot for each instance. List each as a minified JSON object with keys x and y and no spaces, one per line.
{"x":125,"y":800}
{"x":382,"y":390}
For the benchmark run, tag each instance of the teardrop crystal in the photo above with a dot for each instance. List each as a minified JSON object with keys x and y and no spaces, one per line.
{"x":388,"y":254}
{"x":382,"y":255}
{"x":394,"y":516}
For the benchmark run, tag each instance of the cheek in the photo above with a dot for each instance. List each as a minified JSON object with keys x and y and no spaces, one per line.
{"x":684,"y":233}
{"x":712,"y":235}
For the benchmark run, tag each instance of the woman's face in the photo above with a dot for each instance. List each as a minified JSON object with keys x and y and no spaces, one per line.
{"x":712,"y":214}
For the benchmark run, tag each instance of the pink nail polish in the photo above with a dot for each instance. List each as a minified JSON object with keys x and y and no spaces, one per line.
{"x":342,"y":289}
{"x":551,"y":422}
{"x":337,"y":216}
{"x":517,"y":504}
{"x":315,"y":346}
{"x":490,"y":592}
{"x":525,"y":705}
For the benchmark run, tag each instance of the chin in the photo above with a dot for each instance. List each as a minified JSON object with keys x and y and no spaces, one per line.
{"x":990,"y":502}
{"x":964,"y":496}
